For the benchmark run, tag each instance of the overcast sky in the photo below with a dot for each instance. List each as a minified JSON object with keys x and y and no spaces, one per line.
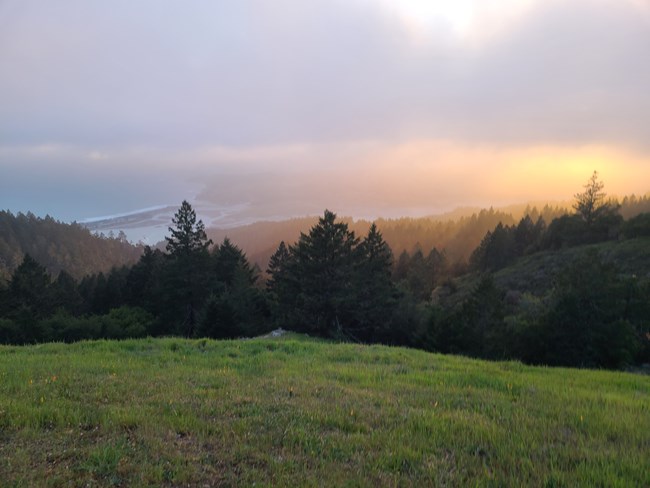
{"x":110,"y":106}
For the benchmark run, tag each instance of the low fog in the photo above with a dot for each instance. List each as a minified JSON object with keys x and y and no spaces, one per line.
{"x":369,"y":107}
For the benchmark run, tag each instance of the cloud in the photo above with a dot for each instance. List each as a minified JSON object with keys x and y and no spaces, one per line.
{"x":144,"y":103}
{"x":255,"y":73}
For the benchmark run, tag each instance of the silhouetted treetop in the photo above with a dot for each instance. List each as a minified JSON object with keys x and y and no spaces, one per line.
{"x":591,"y":204}
{"x":187,"y":234}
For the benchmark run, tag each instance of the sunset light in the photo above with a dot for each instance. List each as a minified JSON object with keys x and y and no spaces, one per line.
{"x":324,"y":243}
{"x":463,"y":95}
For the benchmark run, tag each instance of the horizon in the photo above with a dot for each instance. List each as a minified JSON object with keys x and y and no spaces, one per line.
{"x":368,"y":107}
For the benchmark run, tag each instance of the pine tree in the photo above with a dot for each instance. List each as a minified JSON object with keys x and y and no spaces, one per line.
{"x":282,"y":286}
{"x":143,"y":280}
{"x":331,"y":284}
{"x":277,"y":266}
{"x":186,"y":276}
{"x":590,"y":204}
{"x":324,"y":270}
{"x":30,"y":301}
{"x":228,"y":261}
{"x":375,"y":294}
{"x":30,"y":287}
{"x":187,"y":236}
{"x":66,"y":294}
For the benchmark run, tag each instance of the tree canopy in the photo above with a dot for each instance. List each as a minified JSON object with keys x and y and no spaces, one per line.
{"x":590,"y":204}
{"x":187,"y":235}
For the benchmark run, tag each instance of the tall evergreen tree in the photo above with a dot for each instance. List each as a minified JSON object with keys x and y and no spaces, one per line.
{"x":591,"y":203}
{"x":30,"y":287}
{"x":228,"y":261}
{"x":186,"y":276}
{"x":374,"y":292}
{"x":282,"y":285}
{"x":277,"y":265}
{"x":66,"y":294}
{"x":187,"y":235}
{"x":144,"y":280}
{"x":402,"y":266}
{"x":331,"y":284}
{"x":324,"y":269}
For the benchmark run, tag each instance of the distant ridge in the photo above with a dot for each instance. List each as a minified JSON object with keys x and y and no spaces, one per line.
{"x":59,"y":246}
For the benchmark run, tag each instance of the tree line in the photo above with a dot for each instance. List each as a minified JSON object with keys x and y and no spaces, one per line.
{"x":456,"y":234}
{"x":332,"y":283}
{"x":60,"y":247}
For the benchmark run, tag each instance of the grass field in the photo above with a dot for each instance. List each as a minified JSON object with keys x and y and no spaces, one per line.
{"x":298,"y":412}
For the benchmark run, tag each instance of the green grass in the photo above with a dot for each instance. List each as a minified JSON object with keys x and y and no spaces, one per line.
{"x":296,"y":412}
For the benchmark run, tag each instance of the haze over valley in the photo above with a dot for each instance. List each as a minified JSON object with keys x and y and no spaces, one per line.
{"x":371,"y":108}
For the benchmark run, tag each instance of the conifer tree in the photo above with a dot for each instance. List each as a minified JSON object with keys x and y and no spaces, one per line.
{"x":187,"y":235}
{"x":282,"y":285}
{"x":591,"y":204}
{"x":228,"y":261}
{"x":30,"y":287}
{"x":331,"y":284}
{"x":324,"y":269}
{"x":277,"y":266}
{"x":374,"y":292}
{"x":187,"y":275}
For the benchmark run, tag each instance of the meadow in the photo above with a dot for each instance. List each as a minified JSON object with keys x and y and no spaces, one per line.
{"x":294,"y":411}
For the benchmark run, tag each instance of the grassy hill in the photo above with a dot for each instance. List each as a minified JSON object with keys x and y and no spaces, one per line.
{"x":293,"y":411}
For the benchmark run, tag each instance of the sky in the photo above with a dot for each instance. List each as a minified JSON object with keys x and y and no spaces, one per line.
{"x":366,"y":107}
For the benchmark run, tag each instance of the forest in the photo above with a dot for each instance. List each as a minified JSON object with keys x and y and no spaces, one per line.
{"x":592,"y":310}
{"x":60,"y":247}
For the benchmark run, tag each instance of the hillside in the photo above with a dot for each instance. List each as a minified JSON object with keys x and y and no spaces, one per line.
{"x":536,"y":273}
{"x":457,"y":233}
{"x":294,"y":412}
{"x":59,"y":246}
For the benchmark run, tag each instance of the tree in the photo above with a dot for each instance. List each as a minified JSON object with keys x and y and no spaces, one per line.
{"x":595,"y":220}
{"x":402,"y":266}
{"x":187,"y":236}
{"x":143,"y":281}
{"x":475,"y":328}
{"x":375,"y":294}
{"x":277,"y":266}
{"x":332,"y":284}
{"x":66,"y":294}
{"x":324,"y":259}
{"x":282,"y":285}
{"x":186,"y":276}
{"x":590,"y":320}
{"x":228,"y":261}
{"x":30,"y":287}
{"x":525,"y":235}
{"x":30,"y":300}
{"x":591,"y":204}
{"x":496,"y":250}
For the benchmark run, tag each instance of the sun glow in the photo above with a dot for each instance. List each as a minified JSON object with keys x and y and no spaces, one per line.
{"x":461,"y":18}
{"x":457,"y":14}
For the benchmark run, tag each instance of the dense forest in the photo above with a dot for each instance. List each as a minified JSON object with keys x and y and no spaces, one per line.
{"x":60,"y":247}
{"x":456,"y":234}
{"x":339,"y":283}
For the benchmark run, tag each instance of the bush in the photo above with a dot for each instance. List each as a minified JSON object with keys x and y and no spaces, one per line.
{"x":126,"y":322}
{"x":64,"y":327}
{"x":9,"y":332}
